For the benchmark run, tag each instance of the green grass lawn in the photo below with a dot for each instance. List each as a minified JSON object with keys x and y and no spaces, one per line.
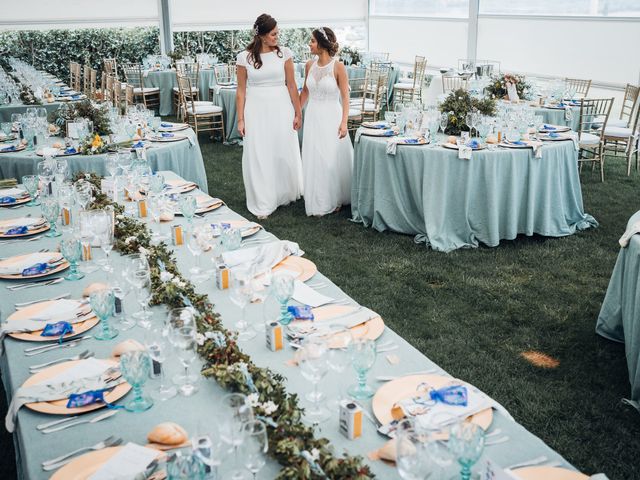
{"x":474,"y":311}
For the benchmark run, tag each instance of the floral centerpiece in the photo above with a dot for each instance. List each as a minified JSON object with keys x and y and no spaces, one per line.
{"x":93,"y":146}
{"x":499,"y":83}
{"x":98,"y":114}
{"x":27,"y":97}
{"x":459,"y":103}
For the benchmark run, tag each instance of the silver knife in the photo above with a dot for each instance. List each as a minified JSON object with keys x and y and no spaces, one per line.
{"x":104,"y":416}
{"x":42,"y":426}
{"x":25,"y":304}
{"x":57,"y":345}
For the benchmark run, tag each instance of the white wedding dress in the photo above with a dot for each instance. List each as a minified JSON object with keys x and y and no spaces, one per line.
{"x":327,"y":161}
{"x":271,"y":166}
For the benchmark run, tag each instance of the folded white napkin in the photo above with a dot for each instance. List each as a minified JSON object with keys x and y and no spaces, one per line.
{"x":537,"y":148}
{"x":568,"y":113}
{"x":20,"y":222}
{"x":306,"y":295}
{"x":630,"y":232}
{"x":392,"y":145}
{"x":263,"y":257}
{"x":12,"y":192}
{"x":27,"y":261}
{"x":465,"y":152}
{"x":131,"y":460}
{"x":85,"y":375}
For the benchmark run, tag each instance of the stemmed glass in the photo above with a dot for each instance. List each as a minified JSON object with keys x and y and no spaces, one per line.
{"x":363,"y":356}
{"x":232,"y":425}
{"x":102,"y":303}
{"x":198,"y":241}
{"x":338,"y":356}
{"x":86,"y":234}
{"x":46,"y":175}
{"x":111,"y":162}
{"x":51,"y":211}
{"x":312,"y":359}
{"x":71,"y":250}
{"x":140,"y":278}
{"x":185,"y":465}
{"x":31,"y":183}
{"x":83,"y":191}
{"x":410,"y":454}
{"x":106,"y":244}
{"x":188,"y":206}
{"x":184,"y":341}
{"x":135,"y":367}
{"x":61,"y":170}
{"x":466,"y":443}
{"x":282,"y":286}
{"x":156,"y":183}
{"x":255,"y":446}
{"x":241,"y":295}
{"x":156,"y":341}
{"x":444,"y":121}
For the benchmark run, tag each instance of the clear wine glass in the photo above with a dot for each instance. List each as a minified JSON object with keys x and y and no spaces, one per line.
{"x":158,"y":344}
{"x":444,"y":121}
{"x":139,"y":276}
{"x":339,"y":342}
{"x":237,"y":413}
{"x":186,"y":347}
{"x":282,"y":286}
{"x":241,"y":295}
{"x":255,"y":446}
{"x":312,"y":360}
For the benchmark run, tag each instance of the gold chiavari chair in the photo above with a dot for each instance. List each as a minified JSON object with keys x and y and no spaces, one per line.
{"x":581,"y":86}
{"x":369,"y":106}
{"x":75,"y":76}
{"x":225,"y":74}
{"x":623,"y":135}
{"x":107,"y":90}
{"x":357,"y":87}
{"x":110,"y":67}
{"x":408,"y":91}
{"x":117,"y":93}
{"x":191,"y":70}
{"x":150,"y":96}
{"x":130,"y":95}
{"x":629,"y":106}
{"x":593,"y":111}
{"x":90,"y":76}
{"x":200,"y":115}
{"x":453,"y":82}
{"x":377,"y":57}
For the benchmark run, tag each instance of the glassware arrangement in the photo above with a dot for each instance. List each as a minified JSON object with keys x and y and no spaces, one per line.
{"x":186,"y":348}
{"x":139,"y":275}
{"x":158,"y":345}
{"x":255,"y":446}
{"x":237,"y":412}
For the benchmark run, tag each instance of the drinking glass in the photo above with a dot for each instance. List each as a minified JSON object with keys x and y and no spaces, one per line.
{"x":135,"y":367}
{"x":83,"y":191}
{"x":46,"y":174}
{"x":207,"y":446}
{"x":410,"y":454}
{"x":111,"y":161}
{"x":156,"y":183}
{"x":184,"y":341}
{"x":51,"y":211}
{"x":466,"y":443}
{"x":71,"y":250}
{"x":102,"y":303}
{"x":231,"y":239}
{"x":237,"y":412}
{"x":184,"y":465}
{"x":6,"y":128}
{"x":241,"y":295}
{"x":255,"y":446}
{"x":106,"y":244}
{"x":363,"y":356}
{"x":86,"y":228}
{"x":31,"y":184}
{"x":194,"y":244}
{"x":139,"y":276}
{"x":282,"y":286}
{"x":312,"y":359}
{"x":444,"y":121}
{"x":158,"y":345}
{"x":188,"y":206}
{"x":338,"y":357}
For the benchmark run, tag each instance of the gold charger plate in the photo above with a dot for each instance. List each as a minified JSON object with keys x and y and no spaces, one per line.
{"x":377,"y":132}
{"x":28,"y":312}
{"x":371,"y":330}
{"x":18,"y":276}
{"x":176,"y":127}
{"x":175,"y":138}
{"x":19,"y":201}
{"x":43,"y":228}
{"x":451,"y":146}
{"x":181,"y":186}
{"x":548,"y":473}
{"x":421,"y":141}
{"x":82,"y":467}
{"x":239,"y":224}
{"x":304,"y":268}
{"x":61,"y":153}
{"x":59,"y":407}
{"x":559,"y":138}
{"x":405,"y":387}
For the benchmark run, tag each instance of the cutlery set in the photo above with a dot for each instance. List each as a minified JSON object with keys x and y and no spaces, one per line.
{"x":29,"y":352}
{"x":35,"y":283}
{"x":55,"y":463}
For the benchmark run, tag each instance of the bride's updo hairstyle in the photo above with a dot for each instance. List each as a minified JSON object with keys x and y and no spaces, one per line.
{"x":326,"y":40}
{"x":263,"y":25}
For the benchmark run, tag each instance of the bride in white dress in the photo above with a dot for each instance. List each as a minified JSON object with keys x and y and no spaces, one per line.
{"x":327,"y":151}
{"x":269,"y":114}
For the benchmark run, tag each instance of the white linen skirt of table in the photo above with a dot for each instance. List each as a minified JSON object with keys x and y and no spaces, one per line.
{"x":271,"y":165}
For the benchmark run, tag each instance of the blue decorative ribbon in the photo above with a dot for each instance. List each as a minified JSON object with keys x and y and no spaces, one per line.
{"x":167,"y":135}
{"x":301,"y":313}
{"x":7,"y":200}
{"x":553,"y":135}
{"x":17,"y":231}
{"x":138,"y":144}
{"x":161,"y":266}
{"x":453,"y":395}
{"x":88,"y":398}
{"x":36,"y":269}
{"x":390,"y":133}
{"x":548,"y":127}
{"x":218,"y":338}
{"x":70,"y":150}
{"x":315,"y":467}
{"x":473,"y":144}
{"x":268,"y":420}
{"x":58,"y":329}
{"x":10,"y":148}
{"x":247,"y":377}
{"x":166,"y":125}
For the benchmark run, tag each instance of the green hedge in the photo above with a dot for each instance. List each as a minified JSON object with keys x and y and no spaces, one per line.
{"x":52,"y":50}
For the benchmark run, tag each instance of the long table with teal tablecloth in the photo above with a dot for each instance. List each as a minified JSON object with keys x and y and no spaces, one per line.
{"x":7,"y":110}
{"x":619,"y":318}
{"x":166,"y":80}
{"x":183,"y":157}
{"x":195,"y":413}
{"x":448,"y":203}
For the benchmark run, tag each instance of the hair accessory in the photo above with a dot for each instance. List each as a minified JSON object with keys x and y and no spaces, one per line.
{"x":256,"y":30}
{"x":324,"y":34}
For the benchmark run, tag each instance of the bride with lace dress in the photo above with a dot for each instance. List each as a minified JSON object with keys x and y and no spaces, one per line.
{"x":269,"y":114}
{"x":327,"y":151}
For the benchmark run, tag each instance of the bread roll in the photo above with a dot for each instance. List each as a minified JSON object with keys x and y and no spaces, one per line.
{"x":126,"y":346}
{"x":93,"y":287}
{"x":167,"y":433}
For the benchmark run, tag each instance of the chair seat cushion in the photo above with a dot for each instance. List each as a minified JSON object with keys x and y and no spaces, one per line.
{"x":355,"y":112}
{"x":202,"y":109}
{"x":620,"y":132}
{"x":589,"y":139}
{"x":146,"y":90}
{"x":177,"y":89}
{"x":403,"y":85}
{"x":617,"y":123}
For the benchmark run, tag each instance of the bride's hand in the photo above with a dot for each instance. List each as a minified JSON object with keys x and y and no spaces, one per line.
{"x":342,"y":130}
{"x":241,"y":127}
{"x":297,"y":122}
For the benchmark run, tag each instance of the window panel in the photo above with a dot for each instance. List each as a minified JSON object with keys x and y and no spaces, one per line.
{"x":422,"y":8}
{"x":598,"y":8}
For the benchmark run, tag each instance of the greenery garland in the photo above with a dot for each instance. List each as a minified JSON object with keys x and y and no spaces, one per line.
{"x":458,"y":104}
{"x":291,"y":442}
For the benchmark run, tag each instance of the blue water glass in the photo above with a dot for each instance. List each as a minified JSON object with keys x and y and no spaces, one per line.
{"x":282,"y":287}
{"x":103,"y":303}
{"x":135,"y":367}
{"x":31,"y":183}
{"x":185,"y":465}
{"x":51,"y":211}
{"x":71,"y":250}
{"x":363,"y":356}
{"x":466,"y":443}
{"x":188,"y":207}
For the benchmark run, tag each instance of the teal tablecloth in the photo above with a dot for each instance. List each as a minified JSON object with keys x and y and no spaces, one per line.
{"x":196,"y":413}
{"x":7,"y":110}
{"x":449,"y":203}
{"x":181,"y":157}
{"x":166,"y":80}
{"x":394,"y":75}
{"x":556,"y":116}
{"x":619,"y":318}
{"x":226,"y":98}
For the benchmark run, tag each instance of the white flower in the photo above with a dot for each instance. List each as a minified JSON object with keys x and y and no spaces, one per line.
{"x":177,"y":282}
{"x":209,"y":334}
{"x":120,"y":216}
{"x":269,"y":407}
{"x":253,"y":399}
{"x":200,"y":339}
{"x":165,"y":276}
{"x":143,"y":251}
{"x":128,"y":240}
{"x":315,"y":454}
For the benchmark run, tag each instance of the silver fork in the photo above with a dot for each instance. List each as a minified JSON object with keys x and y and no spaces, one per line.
{"x":46,"y":348}
{"x":26,"y":304}
{"x":80,"y":356}
{"x":58,"y":462}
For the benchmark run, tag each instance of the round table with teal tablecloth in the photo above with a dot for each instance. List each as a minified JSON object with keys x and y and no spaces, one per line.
{"x":557,"y":116}
{"x":619,"y":318}
{"x":449,"y":203}
{"x":166,"y":80}
{"x":7,"y":110}
{"x":182,"y":157}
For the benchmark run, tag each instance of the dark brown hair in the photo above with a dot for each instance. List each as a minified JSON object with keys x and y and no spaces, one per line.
{"x":263,"y":25}
{"x":326,"y":40}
